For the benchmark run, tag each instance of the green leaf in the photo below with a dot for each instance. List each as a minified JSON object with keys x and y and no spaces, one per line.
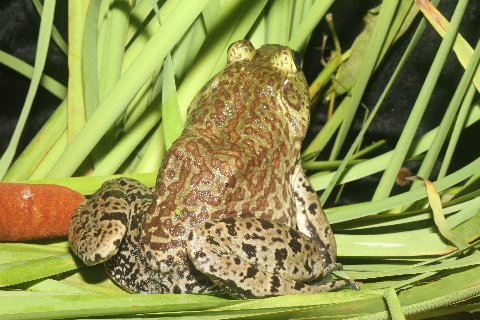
{"x":403,"y":145}
{"x":394,"y":306}
{"x":40,"y":57}
{"x":439,"y":218}
{"x":461,"y":47}
{"x":32,"y":269}
{"x":172,"y":119}
{"x":376,"y":164}
{"x":457,"y":130}
{"x":89,"y":184}
{"x":278,"y":22}
{"x":356,"y":144}
{"x":56,"y":36}
{"x":109,"y":164}
{"x":50,"y":84}
{"x":40,"y":145}
{"x":55,"y":306}
{"x":374,"y":48}
{"x":313,"y":15}
{"x":449,"y":116}
{"x":236,"y":17}
{"x":128,"y":85}
{"x":75,"y":106}
{"x":374,"y":207}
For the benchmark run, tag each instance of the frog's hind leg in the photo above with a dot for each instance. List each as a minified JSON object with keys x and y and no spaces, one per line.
{"x":98,"y":226}
{"x":312,"y":221}
{"x":251,"y":258}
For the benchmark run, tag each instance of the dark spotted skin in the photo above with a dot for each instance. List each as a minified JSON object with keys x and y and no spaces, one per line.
{"x":232,"y":209}
{"x":287,"y":262}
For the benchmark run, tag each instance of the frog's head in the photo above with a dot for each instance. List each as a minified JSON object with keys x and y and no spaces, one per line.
{"x":283,"y":75}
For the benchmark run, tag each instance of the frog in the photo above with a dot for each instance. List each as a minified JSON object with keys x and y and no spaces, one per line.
{"x":232,"y":210}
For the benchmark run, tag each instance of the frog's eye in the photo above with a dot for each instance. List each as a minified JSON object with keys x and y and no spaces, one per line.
{"x":284,"y":59}
{"x":240,"y":50}
{"x":297,"y":58}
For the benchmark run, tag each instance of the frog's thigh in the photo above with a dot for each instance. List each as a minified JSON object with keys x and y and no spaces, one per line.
{"x":249,"y":257}
{"x":98,"y":225}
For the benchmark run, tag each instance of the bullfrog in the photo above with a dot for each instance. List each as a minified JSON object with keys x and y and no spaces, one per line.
{"x":232,"y":210}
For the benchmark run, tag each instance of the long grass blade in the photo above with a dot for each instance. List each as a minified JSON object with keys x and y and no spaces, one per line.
{"x":235,"y":20}
{"x":439,"y":218}
{"x":89,"y":58}
{"x":457,"y":214}
{"x":394,"y":306}
{"x":172,"y":119}
{"x":461,"y":47}
{"x":128,"y":85}
{"x":127,"y":143}
{"x":448,"y":118}
{"x":75,"y":115}
{"x":399,"y":153}
{"x":114,"y":46}
{"x":278,"y":21}
{"x":154,"y":154}
{"x":457,"y":130}
{"x":111,"y":47}
{"x":472,"y":260}
{"x":46,"y":24}
{"x":40,"y":145}
{"x":358,"y":139}
{"x":89,"y":184}
{"x":50,"y":158}
{"x":378,"y":206}
{"x":374,"y":48}
{"x":26,"y":270}
{"x":56,"y":36}
{"x":60,"y":306}
{"x":378,"y":163}
{"x":312,"y":18}
{"x":14,"y":252}
{"x":50,"y":84}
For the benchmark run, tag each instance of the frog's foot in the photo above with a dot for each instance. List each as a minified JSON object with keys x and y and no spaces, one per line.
{"x":251,"y":258}
{"x":99,"y":225}
{"x":339,"y":267}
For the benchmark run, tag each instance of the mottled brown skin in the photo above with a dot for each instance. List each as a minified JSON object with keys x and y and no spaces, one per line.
{"x":232,"y":209}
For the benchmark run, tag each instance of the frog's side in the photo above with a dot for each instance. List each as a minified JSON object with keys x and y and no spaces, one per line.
{"x":232,"y":209}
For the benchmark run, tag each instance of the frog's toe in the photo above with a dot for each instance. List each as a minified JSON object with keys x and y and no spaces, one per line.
{"x":98,"y":226}
{"x":354,"y":285}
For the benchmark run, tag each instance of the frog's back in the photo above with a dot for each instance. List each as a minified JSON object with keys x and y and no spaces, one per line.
{"x":236,"y":156}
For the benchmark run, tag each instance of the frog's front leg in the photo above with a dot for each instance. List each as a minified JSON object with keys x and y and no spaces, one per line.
{"x":105,"y":228}
{"x":251,"y":258}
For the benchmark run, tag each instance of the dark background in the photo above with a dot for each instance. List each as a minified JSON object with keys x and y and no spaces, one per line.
{"x":18,"y":36}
